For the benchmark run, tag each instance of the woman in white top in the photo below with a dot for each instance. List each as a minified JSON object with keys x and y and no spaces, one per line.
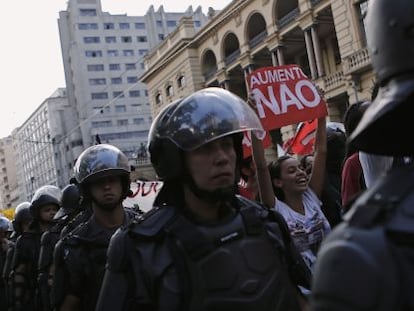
{"x":297,"y":197}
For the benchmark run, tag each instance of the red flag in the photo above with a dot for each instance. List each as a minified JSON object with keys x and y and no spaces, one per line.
{"x":304,"y":139}
{"x":247,"y":143}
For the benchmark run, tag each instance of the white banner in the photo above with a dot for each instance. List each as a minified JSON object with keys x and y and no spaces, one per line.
{"x":143,"y":194}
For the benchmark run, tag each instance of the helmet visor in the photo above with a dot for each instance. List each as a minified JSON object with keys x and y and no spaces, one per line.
{"x":207,"y":115}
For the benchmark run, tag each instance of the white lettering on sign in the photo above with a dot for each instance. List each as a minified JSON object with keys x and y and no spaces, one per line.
{"x":276,"y":75}
{"x":287,"y":98}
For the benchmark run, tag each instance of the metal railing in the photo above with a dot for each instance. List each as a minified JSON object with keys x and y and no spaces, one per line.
{"x":256,"y":40}
{"x":232,"y":57}
{"x":288,"y":18}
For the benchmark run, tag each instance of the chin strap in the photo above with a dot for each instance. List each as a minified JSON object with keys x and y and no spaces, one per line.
{"x":212,"y":196}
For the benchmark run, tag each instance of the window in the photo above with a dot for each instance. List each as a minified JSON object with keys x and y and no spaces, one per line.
{"x":98,"y":67}
{"x":87,"y":12}
{"x":142,"y":65}
{"x":93,"y":53}
{"x":123,"y":25}
{"x":138,"y":120}
{"x":130,"y":66}
{"x":161,"y":36}
{"x":96,"y":124}
{"x":114,"y":67}
{"x":116,"y":80}
{"x":101,"y":95}
{"x":142,"y":51}
{"x":159,"y":23}
{"x":120,"y":108}
{"x":100,"y":81}
{"x":122,"y":122}
{"x":118,"y":94}
{"x":197,"y":24}
{"x":91,"y":40}
{"x":171,"y":23}
{"x":181,"y":81}
{"x":158,"y":99}
{"x":109,"y":26}
{"x":128,"y":52}
{"x":134,"y":93}
{"x":169,"y":90}
{"x":126,"y":39}
{"x":110,"y":39}
{"x":112,"y":53}
{"x":85,"y":26}
{"x":361,"y":8}
{"x":132,"y":79}
{"x":139,"y":25}
{"x":146,"y":92}
{"x":101,"y":109}
{"x":142,"y":39}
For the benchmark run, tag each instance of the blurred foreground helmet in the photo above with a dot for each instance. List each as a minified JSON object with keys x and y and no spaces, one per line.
{"x":200,"y":118}
{"x":70,"y":202}
{"x":5,"y":225}
{"x":21,"y":214}
{"x":45,"y":195}
{"x":387,"y":122}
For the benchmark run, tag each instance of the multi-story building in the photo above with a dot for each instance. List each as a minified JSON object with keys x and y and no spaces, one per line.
{"x":8,"y":179}
{"x":103,"y":55}
{"x":325,"y":37}
{"x":46,"y":146}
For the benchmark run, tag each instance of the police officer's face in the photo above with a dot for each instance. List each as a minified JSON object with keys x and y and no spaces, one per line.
{"x":47,"y":212}
{"x":213,"y":165}
{"x":107,"y":191}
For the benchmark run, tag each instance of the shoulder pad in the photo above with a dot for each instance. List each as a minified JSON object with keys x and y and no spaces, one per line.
{"x":362,"y":254}
{"x":72,"y":237}
{"x":116,"y":255}
{"x":152,"y":223}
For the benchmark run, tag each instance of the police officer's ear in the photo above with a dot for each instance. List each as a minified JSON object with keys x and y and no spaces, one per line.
{"x":166,"y":159}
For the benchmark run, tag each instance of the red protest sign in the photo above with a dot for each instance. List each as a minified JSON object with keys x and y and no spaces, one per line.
{"x":247,"y":143}
{"x":284,"y":95}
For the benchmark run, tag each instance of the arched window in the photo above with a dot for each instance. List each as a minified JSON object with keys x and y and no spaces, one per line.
{"x":181,"y":81}
{"x":169,"y":90}
{"x":158,"y":99}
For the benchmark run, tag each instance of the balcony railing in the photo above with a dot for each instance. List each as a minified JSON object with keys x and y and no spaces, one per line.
{"x":358,"y":61}
{"x":232,"y":57}
{"x":333,"y":80}
{"x":289,"y":17}
{"x":210,"y":74}
{"x":315,"y":2}
{"x":256,"y":40}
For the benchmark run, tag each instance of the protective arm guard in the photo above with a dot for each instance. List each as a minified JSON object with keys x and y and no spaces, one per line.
{"x":115,"y":287}
{"x":354,"y":271}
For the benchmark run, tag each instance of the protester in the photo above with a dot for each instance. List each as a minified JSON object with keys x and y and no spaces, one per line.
{"x":367,"y":262}
{"x":353,"y":182}
{"x":297,"y":197}
{"x":43,"y":207}
{"x":248,"y":186}
{"x":202,"y":247}
{"x":102,"y":172}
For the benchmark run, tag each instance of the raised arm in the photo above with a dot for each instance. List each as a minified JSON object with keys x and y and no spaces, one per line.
{"x":316,"y":182}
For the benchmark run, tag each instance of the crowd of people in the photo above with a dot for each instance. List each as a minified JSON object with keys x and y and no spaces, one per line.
{"x":331,"y":230}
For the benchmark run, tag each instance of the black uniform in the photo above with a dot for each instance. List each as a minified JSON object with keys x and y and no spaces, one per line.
{"x":169,"y":261}
{"x":79,"y":260}
{"x":7,"y":269}
{"x":26,"y":253}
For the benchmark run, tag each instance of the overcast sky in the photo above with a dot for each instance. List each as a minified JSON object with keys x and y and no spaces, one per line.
{"x":31,"y":66}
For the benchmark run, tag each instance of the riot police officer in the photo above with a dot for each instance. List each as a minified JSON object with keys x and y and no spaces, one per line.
{"x":5,"y":231}
{"x":202,"y":247}
{"x":367,"y":262}
{"x":102,"y":172}
{"x":43,"y":207}
{"x":70,"y":207}
{"x":20,"y":223}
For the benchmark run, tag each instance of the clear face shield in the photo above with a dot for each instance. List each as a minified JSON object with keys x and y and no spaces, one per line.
{"x":205,"y":116}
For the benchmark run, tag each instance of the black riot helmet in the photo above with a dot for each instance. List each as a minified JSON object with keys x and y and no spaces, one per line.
{"x":390,"y":37}
{"x":101,"y":161}
{"x":196,"y":120}
{"x":70,"y":202}
{"x":21,"y":214}
{"x":45,"y":195}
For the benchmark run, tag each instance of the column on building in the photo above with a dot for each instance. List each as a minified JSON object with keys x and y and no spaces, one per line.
{"x":311,"y":55}
{"x":317,"y":51}
{"x":280,"y":56}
